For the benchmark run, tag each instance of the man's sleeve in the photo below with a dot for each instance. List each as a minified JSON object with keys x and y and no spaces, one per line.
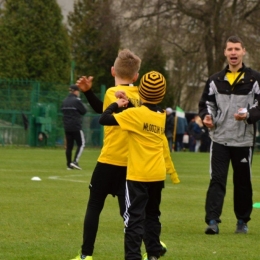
{"x":254,"y":111}
{"x":207,"y":103}
{"x":81,"y":107}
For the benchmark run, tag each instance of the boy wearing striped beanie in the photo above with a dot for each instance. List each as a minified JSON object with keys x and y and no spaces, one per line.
{"x":146,"y":170}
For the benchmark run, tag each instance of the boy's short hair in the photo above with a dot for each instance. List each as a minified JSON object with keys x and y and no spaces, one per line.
{"x":235,"y":39}
{"x":127,"y":64}
{"x":152,"y":87}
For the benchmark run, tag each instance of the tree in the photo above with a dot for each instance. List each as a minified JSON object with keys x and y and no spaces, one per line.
{"x":154,"y":59}
{"x":192,"y":36}
{"x":217,"y":20}
{"x":95,"y":40}
{"x":34,"y":43}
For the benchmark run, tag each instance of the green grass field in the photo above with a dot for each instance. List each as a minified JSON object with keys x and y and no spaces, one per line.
{"x":43,"y":219}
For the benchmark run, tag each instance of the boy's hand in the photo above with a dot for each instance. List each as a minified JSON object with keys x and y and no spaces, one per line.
{"x":85,"y":83}
{"x":121,"y":94}
{"x":122,"y":102}
{"x":175,"y":179}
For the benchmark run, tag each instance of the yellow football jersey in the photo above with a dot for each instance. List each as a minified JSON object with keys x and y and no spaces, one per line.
{"x":145,"y":130}
{"x":115,"y":143}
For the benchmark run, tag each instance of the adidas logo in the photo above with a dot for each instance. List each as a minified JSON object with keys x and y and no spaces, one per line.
{"x":244,"y":160}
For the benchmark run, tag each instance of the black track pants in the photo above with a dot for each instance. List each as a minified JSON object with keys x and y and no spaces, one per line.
{"x":220,"y":158}
{"x":71,"y":137}
{"x":142,"y":218}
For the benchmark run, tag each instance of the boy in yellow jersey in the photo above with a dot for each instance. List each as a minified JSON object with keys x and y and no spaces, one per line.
{"x":109,"y":174}
{"x":146,"y":170}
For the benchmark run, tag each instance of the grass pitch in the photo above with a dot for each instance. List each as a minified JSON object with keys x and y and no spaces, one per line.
{"x":43,"y":219}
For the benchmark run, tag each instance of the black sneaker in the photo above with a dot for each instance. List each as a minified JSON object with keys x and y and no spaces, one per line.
{"x":241,"y":227}
{"x":212,"y":228}
{"x":70,"y":168}
{"x":75,"y":165}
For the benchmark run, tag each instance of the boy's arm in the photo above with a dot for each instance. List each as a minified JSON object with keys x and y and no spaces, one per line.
{"x":107,"y":118}
{"x":85,"y":85}
{"x":170,"y":169}
{"x":94,"y":101}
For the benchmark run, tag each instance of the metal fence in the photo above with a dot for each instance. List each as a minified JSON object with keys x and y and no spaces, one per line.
{"x":30,"y":115}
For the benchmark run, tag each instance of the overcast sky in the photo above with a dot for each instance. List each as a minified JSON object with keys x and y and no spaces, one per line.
{"x":66,"y":6}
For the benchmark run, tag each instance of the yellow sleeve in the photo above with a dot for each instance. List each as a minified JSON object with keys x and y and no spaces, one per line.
{"x":170,"y":169}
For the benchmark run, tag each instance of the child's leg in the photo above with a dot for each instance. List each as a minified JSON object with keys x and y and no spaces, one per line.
{"x":136,"y":198}
{"x":152,"y":224}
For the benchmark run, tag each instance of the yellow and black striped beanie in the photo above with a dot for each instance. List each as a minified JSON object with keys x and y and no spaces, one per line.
{"x":152,"y":87}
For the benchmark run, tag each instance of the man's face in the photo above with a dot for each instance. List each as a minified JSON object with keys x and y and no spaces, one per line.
{"x":234,"y":53}
{"x":76,"y":92}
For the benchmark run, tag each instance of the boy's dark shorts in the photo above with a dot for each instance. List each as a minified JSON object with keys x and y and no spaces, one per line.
{"x":108,"y":179}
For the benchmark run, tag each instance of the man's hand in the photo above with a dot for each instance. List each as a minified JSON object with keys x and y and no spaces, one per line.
{"x":207,"y":121}
{"x":240,"y":116}
{"x":85,"y":83}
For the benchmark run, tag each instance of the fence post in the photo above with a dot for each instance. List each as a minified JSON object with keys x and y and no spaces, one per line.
{"x":34,"y":99}
{"x":102,"y":95}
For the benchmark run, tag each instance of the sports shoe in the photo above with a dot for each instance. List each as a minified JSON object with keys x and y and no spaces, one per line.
{"x":212,"y":228}
{"x":75,"y":165}
{"x":241,"y":227}
{"x":163,"y":249}
{"x":162,"y":253}
{"x":69,"y":168}
{"x":82,"y":257}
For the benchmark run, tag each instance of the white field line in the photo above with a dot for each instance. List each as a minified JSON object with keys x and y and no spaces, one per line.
{"x":64,"y":178}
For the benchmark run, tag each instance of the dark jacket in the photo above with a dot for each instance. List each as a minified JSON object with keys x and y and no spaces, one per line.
{"x":222,"y":101}
{"x":73,"y":109}
{"x":196,"y":131}
{"x":169,"y":123}
{"x":182,"y":126}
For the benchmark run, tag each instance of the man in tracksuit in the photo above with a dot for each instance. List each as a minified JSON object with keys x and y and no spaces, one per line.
{"x":229,"y":107}
{"x":73,"y":109}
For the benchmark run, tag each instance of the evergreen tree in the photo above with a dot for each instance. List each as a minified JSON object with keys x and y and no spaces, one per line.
{"x":34,"y":43}
{"x":95,"y":40}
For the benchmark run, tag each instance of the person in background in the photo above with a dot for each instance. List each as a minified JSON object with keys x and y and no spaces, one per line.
{"x":186,"y":141}
{"x":73,"y":109}
{"x":192,"y":140}
{"x":181,"y":129}
{"x":169,"y":126}
{"x":205,"y":140}
{"x":197,"y":132}
{"x":95,"y":128}
{"x":229,"y":107}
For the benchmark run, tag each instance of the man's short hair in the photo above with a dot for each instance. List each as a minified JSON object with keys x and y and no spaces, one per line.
{"x":235,"y":39}
{"x":74,"y":88}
